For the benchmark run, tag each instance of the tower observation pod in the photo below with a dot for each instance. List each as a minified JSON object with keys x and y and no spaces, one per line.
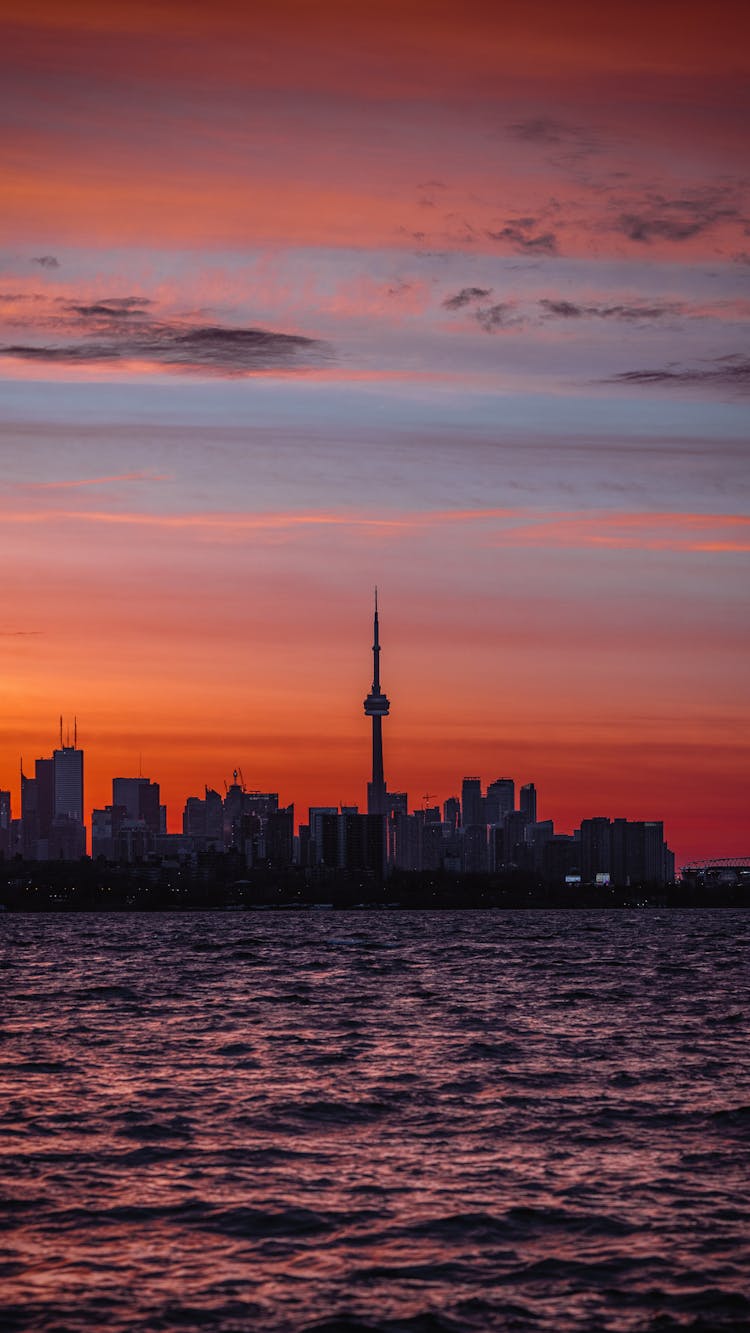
{"x":377,"y":707}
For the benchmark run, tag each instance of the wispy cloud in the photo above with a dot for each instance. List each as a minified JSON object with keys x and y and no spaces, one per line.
{"x":97,"y":481}
{"x":501,"y":315}
{"x":629,"y":313}
{"x":112,"y":307}
{"x":46,"y":261}
{"x":120,"y":329}
{"x":679,"y":218}
{"x":707,"y":533}
{"x":728,"y":372}
{"x":466,"y":296}
{"x":521,"y":234}
{"x":581,"y":529}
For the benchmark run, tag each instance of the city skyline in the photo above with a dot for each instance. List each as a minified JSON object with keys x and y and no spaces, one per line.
{"x":293,"y":303}
{"x":63,"y":776}
{"x":480,"y":832}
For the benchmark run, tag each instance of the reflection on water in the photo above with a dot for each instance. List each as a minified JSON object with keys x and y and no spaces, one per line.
{"x":406,"y":1121}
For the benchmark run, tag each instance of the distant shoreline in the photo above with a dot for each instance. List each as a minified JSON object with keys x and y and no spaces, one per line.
{"x":94,"y":886}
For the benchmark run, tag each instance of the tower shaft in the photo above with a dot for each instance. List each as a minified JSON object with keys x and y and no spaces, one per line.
{"x":377,"y":707}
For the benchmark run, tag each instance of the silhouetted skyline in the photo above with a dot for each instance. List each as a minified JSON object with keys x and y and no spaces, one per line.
{"x":483,"y":832}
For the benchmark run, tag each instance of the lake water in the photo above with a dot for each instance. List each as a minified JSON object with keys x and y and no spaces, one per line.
{"x":245,"y":1121}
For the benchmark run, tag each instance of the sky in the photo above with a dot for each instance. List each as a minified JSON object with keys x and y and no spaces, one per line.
{"x":298,"y":299}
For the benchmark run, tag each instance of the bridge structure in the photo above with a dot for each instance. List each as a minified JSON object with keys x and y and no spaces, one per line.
{"x":718,"y":870}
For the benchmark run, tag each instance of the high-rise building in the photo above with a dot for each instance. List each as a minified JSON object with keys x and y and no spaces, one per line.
{"x":279,"y":838}
{"x":500,"y":800}
{"x":364,"y":844}
{"x":527,"y":802}
{"x":596,"y":848}
{"x":452,"y":812}
{"x":37,"y":810}
{"x":628,"y":851}
{"x":321,"y":848}
{"x":377,"y":707}
{"x":52,"y":806}
{"x":67,"y":839}
{"x":140,"y":797}
{"x":472,"y":812}
{"x":203,"y":820}
{"x":68,"y":761}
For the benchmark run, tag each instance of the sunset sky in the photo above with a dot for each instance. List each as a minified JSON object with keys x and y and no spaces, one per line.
{"x":303,"y":297}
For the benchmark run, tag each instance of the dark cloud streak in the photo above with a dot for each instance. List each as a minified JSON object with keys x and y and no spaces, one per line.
{"x":729,"y":372}
{"x":680,"y":219}
{"x":208,"y":348}
{"x":518,"y":233}
{"x":465,"y":297}
{"x":628,"y":313}
{"x":499,"y":316}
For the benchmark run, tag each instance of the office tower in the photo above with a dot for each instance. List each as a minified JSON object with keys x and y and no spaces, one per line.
{"x":68,"y":769}
{"x":37,"y":810}
{"x":329,"y":838}
{"x":471,"y":802}
{"x":515,"y":848}
{"x":203,"y":819}
{"x":279,"y":838}
{"x":140,"y":797}
{"x":499,"y":801}
{"x":320,"y":846}
{"x":630,"y":851}
{"x":527,"y":802}
{"x":596,"y":848}
{"x":377,"y":707}
{"x":405,"y":841}
{"x":67,"y":837}
{"x":364,"y":844}
{"x":452,"y":812}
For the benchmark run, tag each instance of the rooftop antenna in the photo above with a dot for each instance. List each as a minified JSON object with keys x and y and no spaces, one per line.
{"x":75,"y":733}
{"x":61,"y":740}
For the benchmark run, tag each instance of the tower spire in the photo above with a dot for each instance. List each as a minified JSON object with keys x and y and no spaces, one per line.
{"x":376,"y":650}
{"x":377,"y":707}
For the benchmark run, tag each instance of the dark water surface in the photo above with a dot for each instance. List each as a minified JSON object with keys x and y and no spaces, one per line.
{"x":403,"y":1121}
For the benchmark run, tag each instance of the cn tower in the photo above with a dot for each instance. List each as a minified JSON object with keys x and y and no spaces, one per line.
{"x":376,"y":707}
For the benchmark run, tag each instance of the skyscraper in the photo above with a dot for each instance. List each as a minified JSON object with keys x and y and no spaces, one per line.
{"x":140,"y":797}
{"x":528,"y":802}
{"x":68,"y":761}
{"x":68,"y":832}
{"x":471,"y":802}
{"x":500,"y":800}
{"x":377,"y":707}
